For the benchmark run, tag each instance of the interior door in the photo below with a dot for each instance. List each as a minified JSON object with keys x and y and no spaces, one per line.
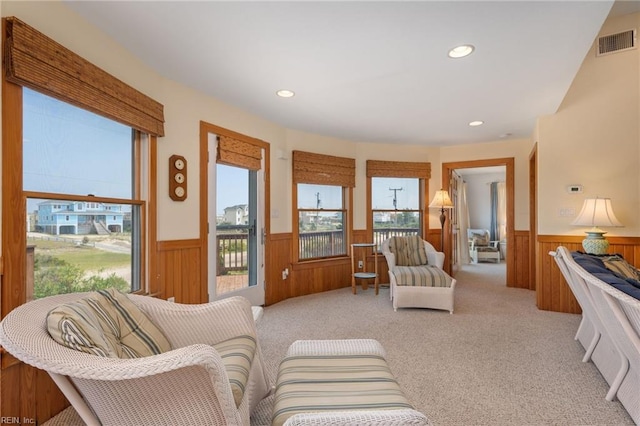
{"x":236,"y":249}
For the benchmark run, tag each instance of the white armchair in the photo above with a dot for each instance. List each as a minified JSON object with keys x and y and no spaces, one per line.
{"x":481,"y":247}
{"x":186,"y":385}
{"x":419,"y":286}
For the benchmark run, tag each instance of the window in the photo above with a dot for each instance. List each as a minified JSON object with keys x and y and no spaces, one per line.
{"x":397,"y":198}
{"x":321,"y":227}
{"x":395,"y":207}
{"x":70,"y":154}
{"x":321,"y":201}
{"x":43,"y":134}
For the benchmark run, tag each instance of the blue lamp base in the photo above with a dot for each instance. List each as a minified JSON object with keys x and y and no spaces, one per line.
{"x":595,"y":243}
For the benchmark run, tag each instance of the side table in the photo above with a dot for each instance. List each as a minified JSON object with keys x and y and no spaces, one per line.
{"x":356,"y":273}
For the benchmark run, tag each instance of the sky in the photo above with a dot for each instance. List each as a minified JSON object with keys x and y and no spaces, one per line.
{"x":70,"y":150}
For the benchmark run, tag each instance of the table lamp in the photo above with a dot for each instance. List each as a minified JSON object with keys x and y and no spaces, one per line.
{"x":596,"y":212}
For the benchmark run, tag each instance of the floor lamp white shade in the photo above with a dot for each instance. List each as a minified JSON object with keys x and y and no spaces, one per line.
{"x":596,"y":212}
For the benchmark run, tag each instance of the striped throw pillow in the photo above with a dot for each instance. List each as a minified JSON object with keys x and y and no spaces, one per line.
{"x":408,"y":251}
{"x":620,"y":267}
{"x":107,"y":324}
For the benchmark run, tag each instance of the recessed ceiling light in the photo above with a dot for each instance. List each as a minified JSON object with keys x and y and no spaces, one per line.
{"x":461,"y":51}
{"x":285,"y":93}
{"x":476,"y":123}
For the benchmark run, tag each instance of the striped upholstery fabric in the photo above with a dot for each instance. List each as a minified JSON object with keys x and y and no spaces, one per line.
{"x":335,"y":383}
{"x":620,"y":267}
{"x":106,"y":324}
{"x":424,"y":276}
{"x":237,"y":355}
{"x":408,"y":251}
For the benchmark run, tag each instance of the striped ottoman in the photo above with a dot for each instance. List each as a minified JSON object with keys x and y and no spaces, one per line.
{"x":323,"y":381}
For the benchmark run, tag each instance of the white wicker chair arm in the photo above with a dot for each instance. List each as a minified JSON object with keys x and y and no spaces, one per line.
{"x":361,"y":418}
{"x":208,"y":323}
{"x":435,"y":258}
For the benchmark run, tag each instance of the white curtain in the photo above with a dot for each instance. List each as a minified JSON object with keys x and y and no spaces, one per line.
{"x":463,"y":223}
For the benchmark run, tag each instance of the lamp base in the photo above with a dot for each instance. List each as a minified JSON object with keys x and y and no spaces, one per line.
{"x":595,"y":243}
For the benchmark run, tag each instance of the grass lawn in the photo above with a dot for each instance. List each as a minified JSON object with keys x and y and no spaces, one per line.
{"x":85,"y":257}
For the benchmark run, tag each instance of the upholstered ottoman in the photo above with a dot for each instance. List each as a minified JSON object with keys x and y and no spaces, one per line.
{"x":331,"y":382}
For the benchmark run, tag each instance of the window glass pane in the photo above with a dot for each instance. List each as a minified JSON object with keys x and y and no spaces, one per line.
{"x":395,"y":193}
{"x":80,"y":246}
{"x":72,"y":151}
{"x":319,"y":196}
{"x":321,"y":234}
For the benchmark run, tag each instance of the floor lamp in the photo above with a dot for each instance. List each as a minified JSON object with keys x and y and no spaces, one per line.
{"x":441,"y":201}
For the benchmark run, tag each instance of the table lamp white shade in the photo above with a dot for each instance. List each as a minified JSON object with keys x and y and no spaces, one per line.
{"x":596,"y":212}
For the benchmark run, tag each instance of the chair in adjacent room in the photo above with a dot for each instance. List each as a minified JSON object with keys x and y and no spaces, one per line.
{"x":481,"y":248}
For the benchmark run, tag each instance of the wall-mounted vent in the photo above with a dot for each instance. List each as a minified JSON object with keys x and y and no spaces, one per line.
{"x":616,"y":42}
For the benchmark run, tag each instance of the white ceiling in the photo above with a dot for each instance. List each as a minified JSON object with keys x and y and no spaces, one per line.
{"x":368,"y":71}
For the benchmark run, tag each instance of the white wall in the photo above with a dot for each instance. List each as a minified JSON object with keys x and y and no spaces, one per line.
{"x":594,"y":140}
{"x":479,"y":197}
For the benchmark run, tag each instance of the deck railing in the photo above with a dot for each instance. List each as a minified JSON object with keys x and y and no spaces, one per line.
{"x":233,"y":242}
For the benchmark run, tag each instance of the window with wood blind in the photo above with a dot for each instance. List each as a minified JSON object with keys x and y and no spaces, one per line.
{"x":396,"y":193}
{"x":322,"y":185}
{"x":76,"y":169}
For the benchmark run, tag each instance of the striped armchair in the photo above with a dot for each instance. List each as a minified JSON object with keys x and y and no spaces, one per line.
{"x":195,"y":381}
{"x":417,"y":279}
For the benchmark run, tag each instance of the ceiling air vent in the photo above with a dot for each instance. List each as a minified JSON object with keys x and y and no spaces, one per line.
{"x":616,"y":42}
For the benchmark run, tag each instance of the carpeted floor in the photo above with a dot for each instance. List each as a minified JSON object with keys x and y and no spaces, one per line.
{"x":497,"y":360}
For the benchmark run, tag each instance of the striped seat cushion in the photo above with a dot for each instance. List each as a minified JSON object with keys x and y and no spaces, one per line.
{"x":335,"y":383}
{"x":421,"y":276}
{"x":237,"y":355}
{"x":108,"y":324}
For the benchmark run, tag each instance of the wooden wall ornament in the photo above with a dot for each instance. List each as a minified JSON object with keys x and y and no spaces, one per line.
{"x":177,"y":178}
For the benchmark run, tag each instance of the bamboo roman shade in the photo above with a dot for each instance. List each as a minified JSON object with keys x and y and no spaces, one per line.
{"x":322,"y":169}
{"x":34,"y":60}
{"x":401,"y":169}
{"x":235,"y":152}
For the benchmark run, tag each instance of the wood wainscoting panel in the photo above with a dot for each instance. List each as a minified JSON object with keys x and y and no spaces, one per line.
{"x":179,"y":263}
{"x":521,"y":262}
{"x":29,"y":394}
{"x":552,"y":291}
{"x":278,"y":258}
{"x":318,"y":276}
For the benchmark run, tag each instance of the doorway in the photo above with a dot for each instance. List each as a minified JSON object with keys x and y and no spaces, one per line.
{"x":448,"y":170}
{"x":234,"y":222}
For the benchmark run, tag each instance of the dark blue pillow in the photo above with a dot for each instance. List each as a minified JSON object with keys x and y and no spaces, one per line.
{"x":628,"y":289}
{"x":590,"y":263}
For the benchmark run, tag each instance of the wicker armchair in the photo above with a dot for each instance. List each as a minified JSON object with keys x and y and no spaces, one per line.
{"x":185,"y":385}
{"x":406,"y":290}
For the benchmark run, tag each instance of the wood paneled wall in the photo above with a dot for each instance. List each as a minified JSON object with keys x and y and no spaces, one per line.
{"x":28,"y":393}
{"x":520,"y":274}
{"x":179,"y":272}
{"x":553,"y":292}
